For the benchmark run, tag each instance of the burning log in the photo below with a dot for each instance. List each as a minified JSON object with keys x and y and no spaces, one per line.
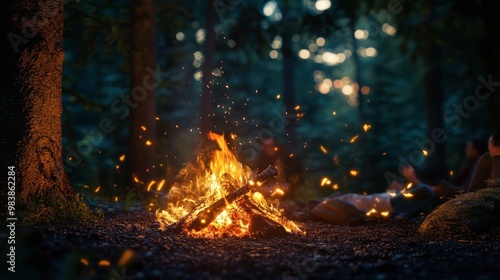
{"x":208,"y":215}
{"x":216,"y":201}
{"x":260,"y":224}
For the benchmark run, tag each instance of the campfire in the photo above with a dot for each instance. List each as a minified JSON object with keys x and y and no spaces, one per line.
{"x":222,"y":198}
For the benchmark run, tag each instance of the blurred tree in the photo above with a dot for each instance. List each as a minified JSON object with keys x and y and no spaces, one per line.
{"x":434,"y":101}
{"x":144,"y":81}
{"x":435,"y":168}
{"x":490,"y":47}
{"x":31,"y":98}
{"x":247,"y":77}
{"x":208,"y":66}
{"x":432,"y":27}
{"x":366,"y":162}
{"x":289,"y":72}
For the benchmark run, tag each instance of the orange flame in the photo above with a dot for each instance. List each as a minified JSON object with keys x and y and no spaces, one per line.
{"x":201,"y":184}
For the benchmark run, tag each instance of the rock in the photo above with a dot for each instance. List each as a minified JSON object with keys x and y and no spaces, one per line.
{"x":469,"y":216}
{"x":338,"y":212}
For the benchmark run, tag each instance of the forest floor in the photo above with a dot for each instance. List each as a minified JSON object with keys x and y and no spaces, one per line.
{"x":389,"y":249}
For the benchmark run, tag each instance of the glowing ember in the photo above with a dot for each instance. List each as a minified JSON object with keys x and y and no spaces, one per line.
{"x":160,"y":186}
{"x":104,"y":263}
{"x":369,"y":213}
{"x":323,"y":149}
{"x":126,"y":257}
{"x":325,"y":181}
{"x":200,"y":185}
{"x":392,"y":194}
{"x":278,"y":191}
{"x":408,"y":195}
{"x":150,"y":185}
{"x":366,"y":127}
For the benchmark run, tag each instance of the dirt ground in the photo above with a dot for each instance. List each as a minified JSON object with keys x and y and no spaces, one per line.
{"x":129,"y":245}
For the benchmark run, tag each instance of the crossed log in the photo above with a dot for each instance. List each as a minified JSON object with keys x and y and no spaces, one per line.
{"x":202,"y":215}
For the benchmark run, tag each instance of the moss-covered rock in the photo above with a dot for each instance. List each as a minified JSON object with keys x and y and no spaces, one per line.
{"x":474,"y":215}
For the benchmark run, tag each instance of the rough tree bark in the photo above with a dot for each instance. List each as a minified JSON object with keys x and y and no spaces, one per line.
{"x":142,"y":138}
{"x":31,"y":97}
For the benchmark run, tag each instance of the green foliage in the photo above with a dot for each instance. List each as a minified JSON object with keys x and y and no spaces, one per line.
{"x":51,"y":209}
{"x":130,"y":199}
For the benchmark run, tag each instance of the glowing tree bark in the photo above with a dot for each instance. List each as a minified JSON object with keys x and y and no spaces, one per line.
{"x":142,"y":138}
{"x":31,"y":103}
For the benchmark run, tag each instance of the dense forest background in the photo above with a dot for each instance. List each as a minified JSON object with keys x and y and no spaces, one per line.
{"x":353,"y":88}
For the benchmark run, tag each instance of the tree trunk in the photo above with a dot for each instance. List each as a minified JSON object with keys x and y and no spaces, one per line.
{"x":366,"y":164}
{"x":435,"y":167}
{"x":208,"y":65}
{"x":142,"y":145}
{"x":288,"y":94}
{"x":288,"y":78}
{"x":31,"y":98}
{"x":491,"y":55}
